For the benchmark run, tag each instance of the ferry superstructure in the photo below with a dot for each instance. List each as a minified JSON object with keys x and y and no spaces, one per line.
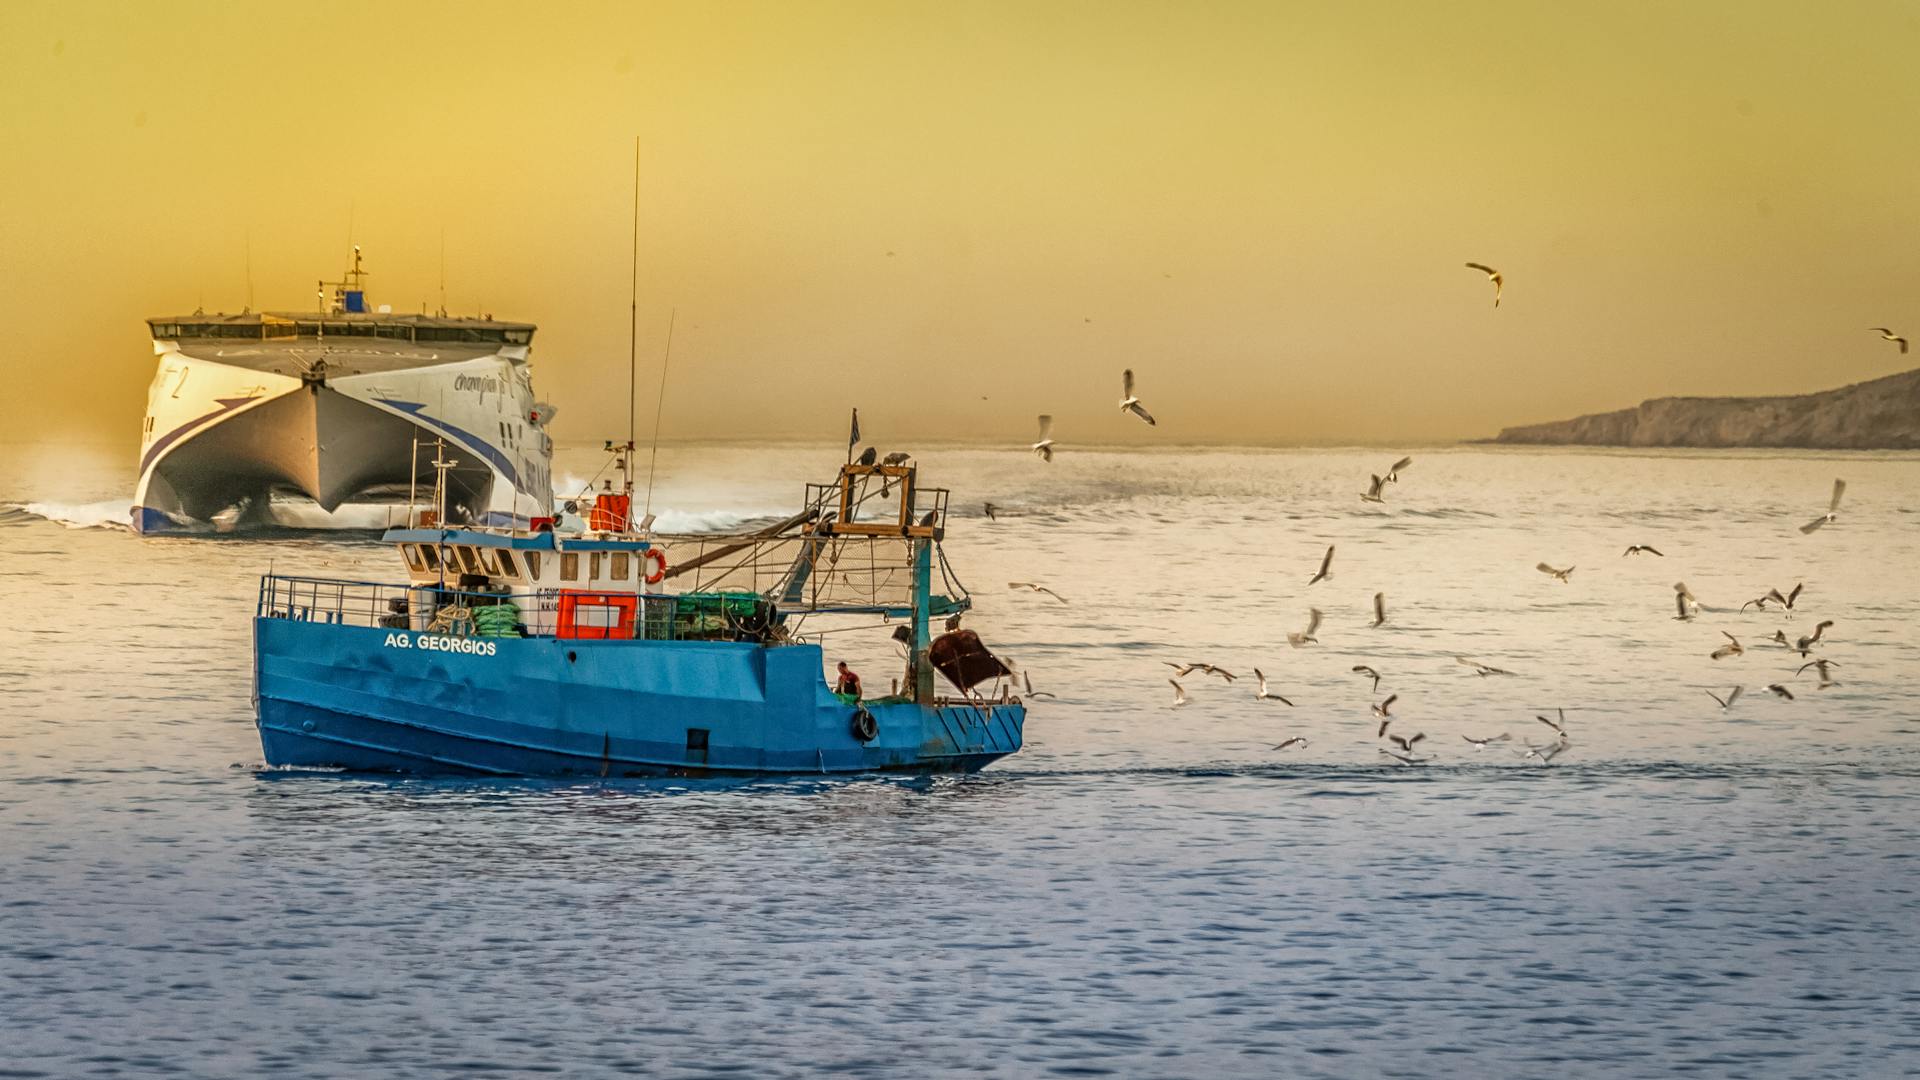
{"x":330,"y":404}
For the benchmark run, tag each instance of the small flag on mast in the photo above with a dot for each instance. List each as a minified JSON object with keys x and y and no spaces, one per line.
{"x":853,"y":437}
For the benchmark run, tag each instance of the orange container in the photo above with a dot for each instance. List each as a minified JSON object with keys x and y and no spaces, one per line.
{"x":596,"y":615}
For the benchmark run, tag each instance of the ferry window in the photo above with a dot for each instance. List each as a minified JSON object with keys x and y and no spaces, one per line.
{"x":411,"y":552}
{"x":594,"y":573}
{"x":518,"y":337}
{"x":570,"y":566}
{"x":429,"y":558}
{"x":619,"y":572}
{"x":470,"y":562}
{"x":506,"y":564}
{"x":533,"y":564}
{"x":489,"y":563}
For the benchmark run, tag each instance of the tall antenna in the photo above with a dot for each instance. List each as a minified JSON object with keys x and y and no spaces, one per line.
{"x":653,"y":455}
{"x":633,"y":310}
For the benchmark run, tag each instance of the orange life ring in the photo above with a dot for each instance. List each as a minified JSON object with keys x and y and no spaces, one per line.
{"x":659,"y":557}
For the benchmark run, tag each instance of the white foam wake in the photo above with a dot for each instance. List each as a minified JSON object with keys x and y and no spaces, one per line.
{"x":105,"y":514}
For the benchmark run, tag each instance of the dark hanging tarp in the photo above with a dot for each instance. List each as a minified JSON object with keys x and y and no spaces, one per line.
{"x":965,"y":662}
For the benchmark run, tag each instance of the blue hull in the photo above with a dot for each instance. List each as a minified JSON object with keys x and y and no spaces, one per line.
{"x":371,"y":699}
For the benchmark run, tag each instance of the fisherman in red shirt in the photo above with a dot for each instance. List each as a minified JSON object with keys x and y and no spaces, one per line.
{"x":848,"y":683}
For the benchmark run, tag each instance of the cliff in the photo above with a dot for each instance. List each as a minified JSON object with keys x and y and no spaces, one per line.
{"x":1883,"y":414}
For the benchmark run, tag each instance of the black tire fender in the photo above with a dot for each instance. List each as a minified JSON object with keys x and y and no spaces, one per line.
{"x":865,"y":727}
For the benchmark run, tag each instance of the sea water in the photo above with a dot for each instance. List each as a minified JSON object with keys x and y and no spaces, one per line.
{"x":1143,"y":891}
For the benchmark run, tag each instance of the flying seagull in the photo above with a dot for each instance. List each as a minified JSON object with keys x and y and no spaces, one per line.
{"x":1493,"y":276}
{"x":1826,"y":680}
{"x":1560,"y":575}
{"x":1780,"y":691}
{"x":1393,"y":470}
{"x":1036,"y":588}
{"x":1384,"y":710}
{"x":1313,"y":625}
{"x":990,"y":508}
{"x":1833,"y":508}
{"x":1295,"y":741}
{"x":1560,"y":728}
{"x":1373,"y":490}
{"x":1893,"y":337}
{"x":1731,"y":648}
{"x":1726,"y":703}
{"x":1027,"y":680}
{"x":1362,"y":669}
{"x":1481,"y":744}
{"x":1546,"y":754}
{"x":1043,"y":449}
{"x":1326,"y":567}
{"x":1130,"y":403}
{"x":1379,"y":608}
{"x":1809,"y":641}
{"x":1406,"y":745}
{"x":1401,"y":758}
{"x":1262,"y":694}
{"x":1480,"y":668}
{"x":1179,"y":694}
{"x":1689,"y":604}
{"x":1635,"y":549}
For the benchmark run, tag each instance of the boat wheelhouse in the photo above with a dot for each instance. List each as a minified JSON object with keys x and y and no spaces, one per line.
{"x":618,"y":653}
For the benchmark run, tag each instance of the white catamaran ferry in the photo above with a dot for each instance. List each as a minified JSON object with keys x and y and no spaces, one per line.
{"x":250,"y":410}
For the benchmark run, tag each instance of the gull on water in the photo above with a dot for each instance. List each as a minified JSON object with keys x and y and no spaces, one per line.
{"x":1313,"y":626}
{"x":1833,"y":508}
{"x":1493,"y":276}
{"x":1326,"y":567}
{"x":1129,"y":402}
{"x":1731,"y":648}
{"x":1263,"y":694}
{"x":1379,"y":608}
{"x":1179,"y":694}
{"x":1726,"y":703}
{"x":1560,"y":575}
{"x":1482,"y":744}
{"x":1036,"y":588}
{"x":1043,"y":449}
{"x":1362,"y":669}
{"x":1295,"y":741}
{"x":1636,"y":549}
{"x":1891,"y":336}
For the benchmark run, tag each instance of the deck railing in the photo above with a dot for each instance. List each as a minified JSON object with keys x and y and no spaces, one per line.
{"x":432,"y":608}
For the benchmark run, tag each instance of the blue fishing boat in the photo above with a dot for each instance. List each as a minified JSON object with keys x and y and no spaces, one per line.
{"x":612,"y":651}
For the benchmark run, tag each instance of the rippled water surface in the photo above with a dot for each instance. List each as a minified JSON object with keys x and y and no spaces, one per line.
{"x":1144,"y":891}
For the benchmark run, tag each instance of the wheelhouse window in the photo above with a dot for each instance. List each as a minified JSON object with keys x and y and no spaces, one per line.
{"x":411,"y":553}
{"x":507,"y":566}
{"x":533,"y":564}
{"x":429,"y":558}
{"x":570,"y":566}
{"x":470,"y":561}
{"x":593,"y":572}
{"x":621,"y":567}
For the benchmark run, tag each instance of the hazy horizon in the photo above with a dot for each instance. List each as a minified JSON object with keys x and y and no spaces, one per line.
{"x":1263,"y":211}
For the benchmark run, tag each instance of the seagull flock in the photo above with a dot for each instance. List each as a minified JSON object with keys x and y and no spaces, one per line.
{"x":1411,"y":749}
{"x":1403,"y":748}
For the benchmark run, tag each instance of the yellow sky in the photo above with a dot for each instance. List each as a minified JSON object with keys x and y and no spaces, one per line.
{"x":1263,"y":208}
